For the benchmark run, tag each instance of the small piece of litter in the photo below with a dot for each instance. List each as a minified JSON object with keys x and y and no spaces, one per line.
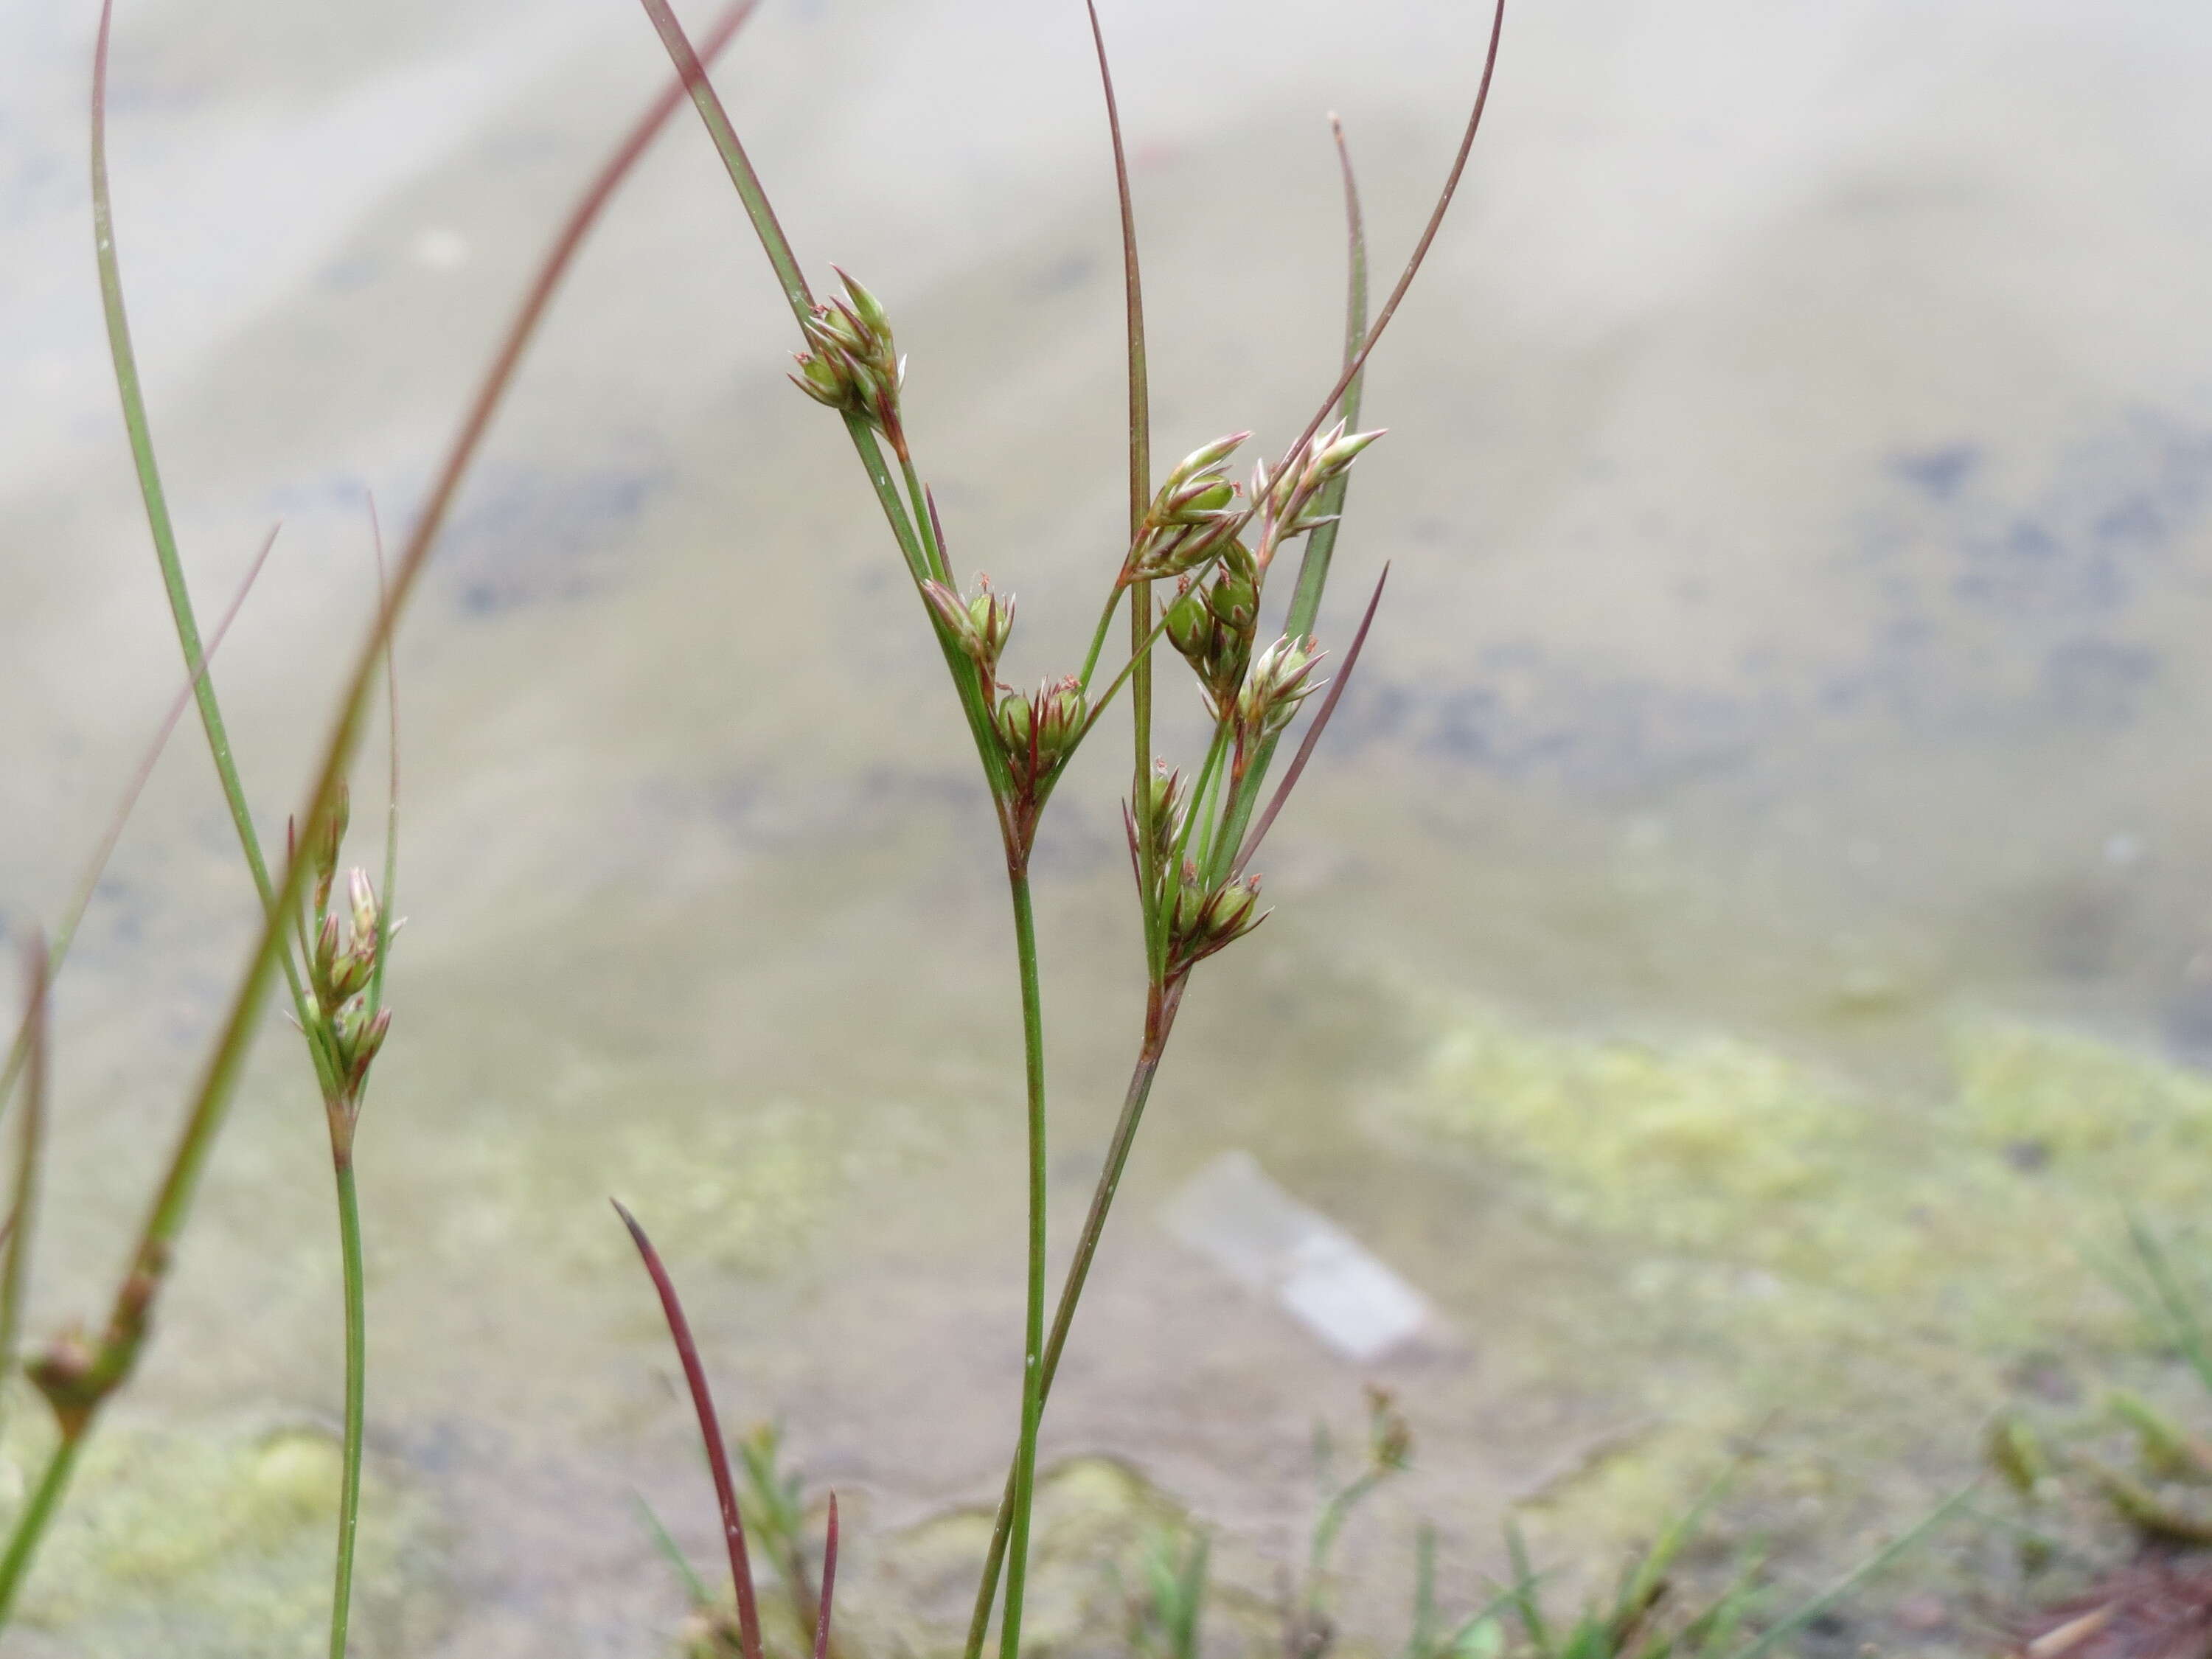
{"x":1231,"y":1213}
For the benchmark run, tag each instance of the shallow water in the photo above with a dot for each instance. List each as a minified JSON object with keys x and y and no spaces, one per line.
{"x":1787,"y":698}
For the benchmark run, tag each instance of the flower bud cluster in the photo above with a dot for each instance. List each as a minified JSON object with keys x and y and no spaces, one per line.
{"x":1283,"y":500}
{"x":1170,"y":805}
{"x":980,"y":625}
{"x":1193,"y":513}
{"x":1280,"y":680}
{"x":1212,"y":624}
{"x":1038,"y":730}
{"x":342,"y":956}
{"x":1206,"y":918}
{"x":853,"y":366}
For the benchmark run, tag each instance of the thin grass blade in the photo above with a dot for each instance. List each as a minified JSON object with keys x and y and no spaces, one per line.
{"x":1141,"y":481}
{"x":1321,"y":545}
{"x":695,"y":1588}
{"x":2181,"y":1317}
{"x":1780,"y":1634}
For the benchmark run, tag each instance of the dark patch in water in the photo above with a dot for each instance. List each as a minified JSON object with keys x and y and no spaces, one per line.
{"x":1990,"y":617}
{"x":1937,"y":473}
{"x":527,"y":535}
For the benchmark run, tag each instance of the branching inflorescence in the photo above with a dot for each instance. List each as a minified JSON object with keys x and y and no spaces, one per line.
{"x":1194,"y":570}
{"x":1191,"y":842}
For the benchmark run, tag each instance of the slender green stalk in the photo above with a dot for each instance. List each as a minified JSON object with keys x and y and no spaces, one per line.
{"x":1784,"y":1629}
{"x":1141,"y":500}
{"x":356,"y":1392}
{"x":773,"y":241}
{"x":1159,"y":1021}
{"x":915,"y":543}
{"x":1012,"y":1531}
{"x":139,"y":426}
{"x":1321,"y":545}
{"x":23,"y":1206}
{"x":342,"y":1115}
{"x":913,"y":524}
{"x":38,"y":1515}
{"x":933,"y":540}
{"x":1098,"y":639}
{"x":1024,"y":1478}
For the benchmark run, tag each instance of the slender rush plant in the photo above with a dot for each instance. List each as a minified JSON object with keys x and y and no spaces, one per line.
{"x":1191,"y":846}
{"x":337,"y":982}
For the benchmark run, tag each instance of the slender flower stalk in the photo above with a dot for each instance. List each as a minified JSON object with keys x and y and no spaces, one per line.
{"x":1021,"y":743}
{"x":1186,"y":920}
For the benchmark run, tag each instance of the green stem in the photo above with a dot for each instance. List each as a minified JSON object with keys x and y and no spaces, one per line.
{"x":1140,"y":498}
{"x":30,"y":1527}
{"x":965,"y":678}
{"x":357,"y":1390}
{"x":1098,"y":638}
{"x":933,"y":552}
{"x":23,"y":1207}
{"x":773,"y":241}
{"x":1321,"y":545}
{"x":1159,"y":1020}
{"x":1025,"y":1474}
{"x":139,"y":426}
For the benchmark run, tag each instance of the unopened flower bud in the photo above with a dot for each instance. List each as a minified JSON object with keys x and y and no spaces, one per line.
{"x":1061,"y":710}
{"x":1186,"y":620}
{"x":1016,"y":720}
{"x":361,"y":899}
{"x":324,"y":842}
{"x":853,"y":365}
{"x":1235,"y":599}
{"x":323,"y":969}
{"x":980,"y":625}
{"x":1167,"y":804}
{"x":1339,"y":450}
{"x":1193,"y":510}
{"x":866,"y":307}
{"x":1232,"y":911}
{"x":1038,"y":730}
{"x":1277,"y":682}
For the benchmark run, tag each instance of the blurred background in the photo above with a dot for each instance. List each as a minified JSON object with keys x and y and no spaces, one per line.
{"x":1745,"y":936}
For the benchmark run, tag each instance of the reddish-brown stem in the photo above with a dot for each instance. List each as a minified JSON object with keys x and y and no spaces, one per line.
{"x":1420,"y":248}
{"x":1313,"y":734}
{"x":710,"y":1432}
{"x":829,"y":1584}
